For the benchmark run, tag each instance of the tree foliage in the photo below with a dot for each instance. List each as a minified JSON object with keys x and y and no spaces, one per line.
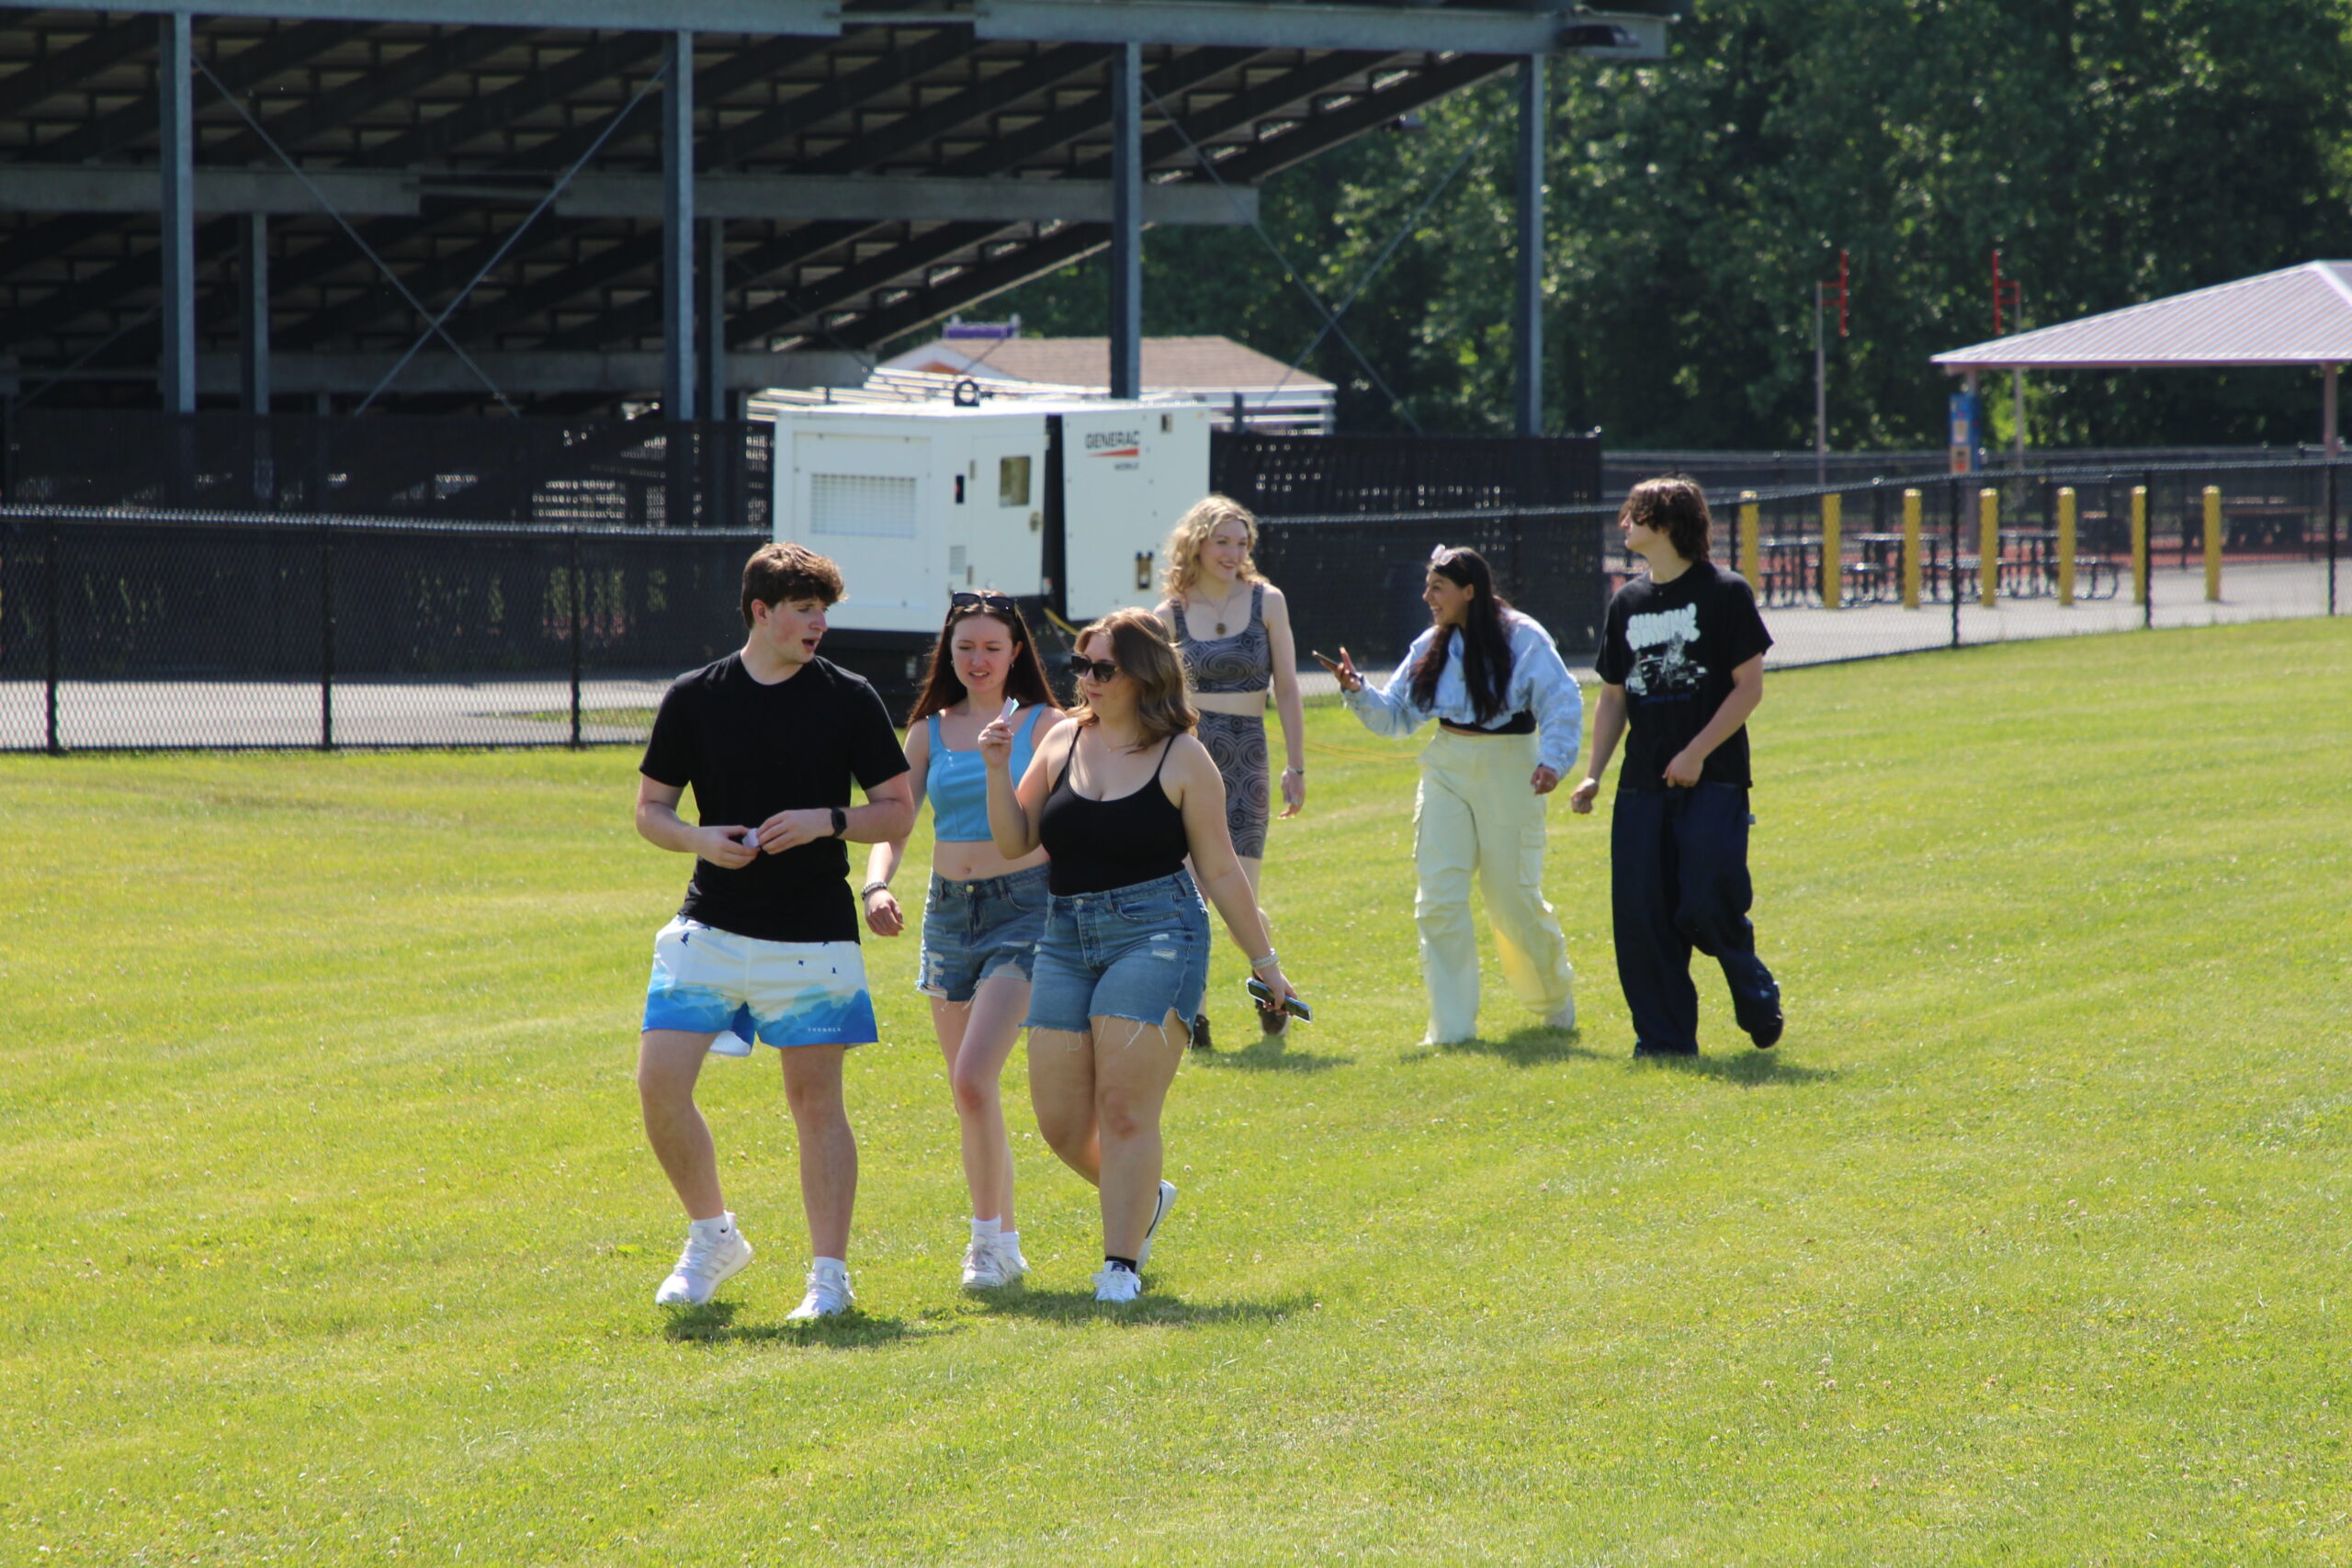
{"x":2116,"y":150}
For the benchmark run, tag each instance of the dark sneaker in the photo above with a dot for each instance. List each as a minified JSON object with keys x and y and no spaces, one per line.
{"x":1761,"y":1020}
{"x":1200,"y":1034}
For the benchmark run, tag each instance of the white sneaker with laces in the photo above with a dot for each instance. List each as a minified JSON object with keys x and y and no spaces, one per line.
{"x":983,"y":1267}
{"x":1158,"y":1212}
{"x":1118,"y":1286}
{"x":709,"y":1260}
{"x":1009,"y":1259}
{"x":829,"y":1296}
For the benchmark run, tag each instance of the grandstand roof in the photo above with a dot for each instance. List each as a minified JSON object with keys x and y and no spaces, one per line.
{"x":866,"y":168}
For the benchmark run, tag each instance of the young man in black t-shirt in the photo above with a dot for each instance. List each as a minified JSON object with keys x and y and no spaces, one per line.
{"x":765,"y":945}
{"x":1682,"y":666}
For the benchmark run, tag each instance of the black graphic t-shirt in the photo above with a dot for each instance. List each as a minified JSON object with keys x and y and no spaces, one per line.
{"x":1673,"y":646}
{"x":749,"y":750}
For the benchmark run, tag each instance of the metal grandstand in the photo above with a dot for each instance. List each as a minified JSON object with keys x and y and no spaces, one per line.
{"x":338,"y":205}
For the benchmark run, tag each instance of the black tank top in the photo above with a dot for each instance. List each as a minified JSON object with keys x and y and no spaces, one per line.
{"x":1098,"y":845}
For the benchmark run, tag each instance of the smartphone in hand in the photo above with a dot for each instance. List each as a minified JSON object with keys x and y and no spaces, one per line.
{"x":1263,"y":995}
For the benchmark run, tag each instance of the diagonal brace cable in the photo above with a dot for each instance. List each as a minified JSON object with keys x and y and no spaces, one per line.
{"x":1291,"y":274}
{"x":364,"y":248}
{"x":436,"y":324}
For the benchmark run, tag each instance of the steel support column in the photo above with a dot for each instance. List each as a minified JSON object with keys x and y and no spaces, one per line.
{"x":253,"y":313}
{"x":713,"y":363}
{"x":1126,"y":221}
{"x":176,"y":94}
{"x":1527,"y":335}
{"x":678,"y":380}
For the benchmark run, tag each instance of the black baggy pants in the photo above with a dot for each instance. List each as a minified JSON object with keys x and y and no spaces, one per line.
{"x":1679,"y":881}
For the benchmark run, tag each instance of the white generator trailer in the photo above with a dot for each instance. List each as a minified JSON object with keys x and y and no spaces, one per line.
{"x":1062,"y":505}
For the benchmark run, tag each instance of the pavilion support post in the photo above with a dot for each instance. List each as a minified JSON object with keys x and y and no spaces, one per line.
{"x":678,"y":232}
{"x":1126,"y":221}
{"x":2330,"y":441}
{"x":175,"y":90}
{"x":2016,"y":411}
{"x":1527,"y":336}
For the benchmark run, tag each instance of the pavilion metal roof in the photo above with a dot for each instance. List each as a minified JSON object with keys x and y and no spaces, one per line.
{"x":866,"y":168}
{"x":2299,"y":315}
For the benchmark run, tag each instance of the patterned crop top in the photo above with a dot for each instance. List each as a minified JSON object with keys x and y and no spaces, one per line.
{"x":1242,"y":662}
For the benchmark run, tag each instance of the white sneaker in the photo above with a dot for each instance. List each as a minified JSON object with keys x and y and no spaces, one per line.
{"x":829,"y":1296}
{"x":1117,"y":1285}
{"x":1563,"y":1016}
{"x":984,"y":1266}
{"x":1009,"y":1259}
{"x":1158,"y":1212}
{"x":709,"y":1262}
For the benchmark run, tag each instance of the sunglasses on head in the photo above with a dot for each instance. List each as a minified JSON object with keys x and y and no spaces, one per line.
{"x":964,"y":600}
{"x":1098,"y":671}
{"x":1443,"y":555}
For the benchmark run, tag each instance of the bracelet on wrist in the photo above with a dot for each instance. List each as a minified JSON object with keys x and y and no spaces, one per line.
{"x":1269,"y":962}
{"x":1300,"y":771}
{"x":870,"y":889}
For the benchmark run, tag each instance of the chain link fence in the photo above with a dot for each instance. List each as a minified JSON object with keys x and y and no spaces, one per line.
{"x":157,"y":629}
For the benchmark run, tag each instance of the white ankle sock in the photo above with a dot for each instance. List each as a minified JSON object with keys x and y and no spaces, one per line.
{"x":717,"y":1225}
{"x":831,"y":1268}
{"x":986,"y":1230}
{"x":1008,"y":1241}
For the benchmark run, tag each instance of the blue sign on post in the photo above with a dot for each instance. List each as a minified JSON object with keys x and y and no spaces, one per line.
{"x":1967,"y":432}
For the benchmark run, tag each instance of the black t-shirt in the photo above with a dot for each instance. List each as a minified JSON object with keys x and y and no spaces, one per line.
{"x":1673,"y":646}
{"x":749,"y":750}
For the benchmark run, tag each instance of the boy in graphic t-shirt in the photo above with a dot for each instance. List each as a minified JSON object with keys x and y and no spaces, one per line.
{"x":1682,"y":666}
{"x":766,"y":944}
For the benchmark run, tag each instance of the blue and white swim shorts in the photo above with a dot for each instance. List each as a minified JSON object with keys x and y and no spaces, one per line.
{"x":707,"y":981}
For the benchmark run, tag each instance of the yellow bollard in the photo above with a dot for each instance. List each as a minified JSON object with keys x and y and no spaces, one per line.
{"x":1751,"y":538}
{"x":1911,"y":549}
{"x":2066,"y":545}
{"x":2213,"y":544}
{"x":1833,"y":551}
{"x":1989,"y":546}
{"x":2139,"y":544}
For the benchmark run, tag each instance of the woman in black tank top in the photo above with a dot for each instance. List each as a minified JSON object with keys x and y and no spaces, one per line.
{"x":1120,"y":798}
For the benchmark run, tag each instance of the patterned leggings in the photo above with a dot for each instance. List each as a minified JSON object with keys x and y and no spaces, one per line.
{"x":1238,"y":744}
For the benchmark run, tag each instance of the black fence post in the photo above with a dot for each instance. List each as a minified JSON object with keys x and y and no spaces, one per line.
{"x":1953,"y":487}
{"x":326,"y":636}
{"x":579,"y":587}
{"x":54,"y":585}
{"x":2332,"y":469}
{"x":2148,"y":594}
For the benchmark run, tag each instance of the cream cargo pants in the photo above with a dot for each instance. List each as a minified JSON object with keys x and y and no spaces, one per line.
{"x":1477,"y":813}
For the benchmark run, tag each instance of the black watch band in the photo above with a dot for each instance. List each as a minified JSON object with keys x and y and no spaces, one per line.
{"x":841,"y":821}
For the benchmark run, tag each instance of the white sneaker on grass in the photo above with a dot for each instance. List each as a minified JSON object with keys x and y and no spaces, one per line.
{"x":1158,"y":1212}
{"x":1009,"y":1259}
{"x":983,"y":1266}
{"x":713,"y":1256}
{"x":829,"y":1296}
{"x":1117,"y":1286}
{"x":1563,"y":1017}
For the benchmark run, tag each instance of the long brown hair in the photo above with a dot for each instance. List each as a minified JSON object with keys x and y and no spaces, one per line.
{"x":1672,"y":505}
{"x":942,"y":688}
{"x":1486,"y":638}
{"x":1139,"y":647}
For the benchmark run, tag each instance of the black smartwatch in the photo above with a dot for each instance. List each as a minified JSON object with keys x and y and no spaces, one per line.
{"x":841,"y":821}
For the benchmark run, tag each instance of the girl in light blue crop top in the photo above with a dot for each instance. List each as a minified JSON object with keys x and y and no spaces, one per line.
{"x":984,"y":914}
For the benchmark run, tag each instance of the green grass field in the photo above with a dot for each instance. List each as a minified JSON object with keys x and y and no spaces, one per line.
{"x":329,"y":1235}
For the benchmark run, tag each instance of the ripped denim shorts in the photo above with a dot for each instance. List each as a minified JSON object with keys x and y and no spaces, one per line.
{"x":973,"y":930}
{"x":1134,"y":952}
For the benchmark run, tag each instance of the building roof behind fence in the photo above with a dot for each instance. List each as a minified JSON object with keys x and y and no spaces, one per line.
{"x":2301,"y":315}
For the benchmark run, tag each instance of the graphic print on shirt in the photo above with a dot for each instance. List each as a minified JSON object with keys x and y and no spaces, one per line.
{"x":1661,"y":643}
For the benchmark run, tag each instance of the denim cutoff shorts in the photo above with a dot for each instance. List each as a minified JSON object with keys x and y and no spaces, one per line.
{"x":1136,"y":952}
{"x":973,"y":930}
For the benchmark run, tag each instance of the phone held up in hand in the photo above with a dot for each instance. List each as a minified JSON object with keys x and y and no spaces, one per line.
{"x":1263,"y":995}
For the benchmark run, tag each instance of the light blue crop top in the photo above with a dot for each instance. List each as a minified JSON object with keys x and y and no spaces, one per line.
{"x":958,"y":784}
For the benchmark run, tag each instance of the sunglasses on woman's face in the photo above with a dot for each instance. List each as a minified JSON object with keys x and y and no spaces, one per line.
{"x":962,"y":599}
{"x":1101,"y":671}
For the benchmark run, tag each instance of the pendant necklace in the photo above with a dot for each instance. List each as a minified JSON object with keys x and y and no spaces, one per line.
{"x":1224,"y":606}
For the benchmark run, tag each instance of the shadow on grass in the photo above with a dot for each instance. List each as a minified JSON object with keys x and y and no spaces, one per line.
{"x":1271,"y":1053}
{"x":1154,"y":1309}
{"x":1750,"y":1068}
{"x":1531,"y":1047}
{"x":714,"y":1325}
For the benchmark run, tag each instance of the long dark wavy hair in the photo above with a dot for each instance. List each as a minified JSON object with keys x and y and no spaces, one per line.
{"x":1486,"y":638}
{"x":942,"y":688}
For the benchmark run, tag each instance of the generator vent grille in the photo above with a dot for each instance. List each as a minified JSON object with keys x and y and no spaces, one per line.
{"x":861,"y":507}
